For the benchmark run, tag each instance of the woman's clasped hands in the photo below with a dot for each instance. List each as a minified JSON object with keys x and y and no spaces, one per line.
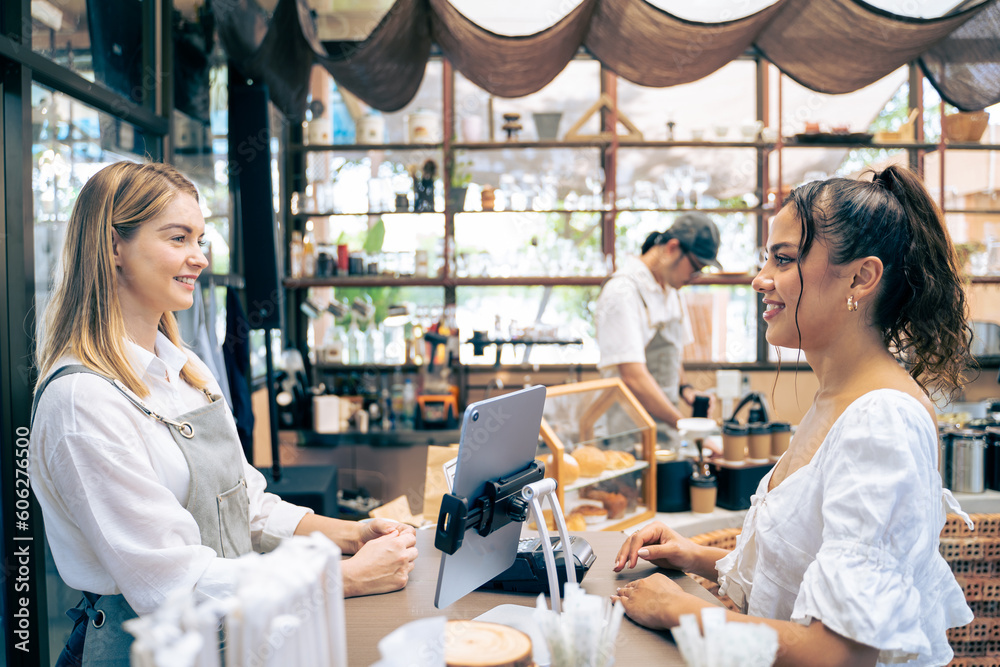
{"x":383,"y":560}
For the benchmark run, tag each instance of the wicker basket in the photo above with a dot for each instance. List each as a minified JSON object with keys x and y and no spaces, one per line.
{"x":722,"y":539}
{"x":965,"y":127}
{"x":974,"y":557}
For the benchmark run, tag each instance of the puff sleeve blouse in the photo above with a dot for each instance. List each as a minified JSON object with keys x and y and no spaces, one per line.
{"x":851,"y":538}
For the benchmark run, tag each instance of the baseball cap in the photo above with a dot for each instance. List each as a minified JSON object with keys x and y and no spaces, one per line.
{"x":698,"y":235}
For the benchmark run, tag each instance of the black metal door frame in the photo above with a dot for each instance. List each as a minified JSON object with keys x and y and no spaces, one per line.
{"x":23,"y":608}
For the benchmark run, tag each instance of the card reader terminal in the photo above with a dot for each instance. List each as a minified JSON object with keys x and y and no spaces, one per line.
{"x":527,"y":574}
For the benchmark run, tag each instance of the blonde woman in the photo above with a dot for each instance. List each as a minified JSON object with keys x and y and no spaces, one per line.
{"x":839,"y":549}
{"x":135,"y":459}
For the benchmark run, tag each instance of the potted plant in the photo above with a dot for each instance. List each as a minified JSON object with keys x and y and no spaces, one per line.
{"x":461,"y":176}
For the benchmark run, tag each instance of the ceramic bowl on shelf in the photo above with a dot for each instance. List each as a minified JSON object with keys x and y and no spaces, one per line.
{"x":965,"y":127}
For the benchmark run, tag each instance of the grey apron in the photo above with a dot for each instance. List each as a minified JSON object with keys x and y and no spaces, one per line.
{"x":217,"y":499}
{"x":663,"y":361}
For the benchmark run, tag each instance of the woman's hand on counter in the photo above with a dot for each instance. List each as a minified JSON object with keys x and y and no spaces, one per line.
{"x":657,"y":602}
{"x":664,"y":547}
{"x":381,"y":565}
{"x":350,"y":536}
{"x":384,"y":551}
{"x":376,"y":528}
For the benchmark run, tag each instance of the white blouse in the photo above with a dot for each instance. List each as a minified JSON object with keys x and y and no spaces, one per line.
{"x":851,"y":538}
{"x":112,"y":485}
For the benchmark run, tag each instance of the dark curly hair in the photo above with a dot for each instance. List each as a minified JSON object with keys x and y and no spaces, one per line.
{"x":920,"y":308}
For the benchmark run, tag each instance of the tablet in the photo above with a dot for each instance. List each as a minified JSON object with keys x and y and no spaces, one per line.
{"x":499,"y":437}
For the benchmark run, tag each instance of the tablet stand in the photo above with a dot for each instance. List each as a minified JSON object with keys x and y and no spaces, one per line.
{"x":503,"y":501}
{"x":500,"y":503}
{"x":534,"y":493}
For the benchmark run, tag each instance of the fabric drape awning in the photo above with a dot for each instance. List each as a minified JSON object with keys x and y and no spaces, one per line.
{"x":648,"y":46}
{"x":837,"y":46}
{"x":831,"y":46}
{"x":965,"y":66}
{"x":508,"y":66}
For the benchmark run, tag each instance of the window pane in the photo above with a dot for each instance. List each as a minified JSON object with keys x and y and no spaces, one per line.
{"x":258,"y":351}
{"x":715,"y":107}
{"x":723,"y":321}
{"x":669,"y":178}
{"x":533,"y":179}
{"x":555,"y":315}
{"x":99,"y":40}
{"x":971,"y":182}
{"x":70,"y":142}
{"x":528,"y":244}
{"x":977,"y":241}
{"x":738,"y":232}
{"x":404,"y":236}
{"x":353,"y":181}
{"x":206,"y":163}
{"x":479,"y":116}
{"x":362,"y":333}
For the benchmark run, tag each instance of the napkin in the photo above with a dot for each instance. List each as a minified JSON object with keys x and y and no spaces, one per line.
{"x":584,"y":634}
{"x":721,"y":644}
{"x":287,"y":609}
{"x":419,"y":643}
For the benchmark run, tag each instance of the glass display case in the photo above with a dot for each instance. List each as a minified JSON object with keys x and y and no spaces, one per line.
{"x":600,"y":447}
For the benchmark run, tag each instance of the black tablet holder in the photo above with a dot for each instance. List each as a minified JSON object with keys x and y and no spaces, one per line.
{"x":500,"y":503}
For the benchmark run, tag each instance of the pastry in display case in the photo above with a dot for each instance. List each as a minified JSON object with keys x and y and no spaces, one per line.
{"x":600,"y":447}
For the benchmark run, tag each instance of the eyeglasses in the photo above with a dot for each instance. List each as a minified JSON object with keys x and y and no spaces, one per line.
{"x":695,"y":264}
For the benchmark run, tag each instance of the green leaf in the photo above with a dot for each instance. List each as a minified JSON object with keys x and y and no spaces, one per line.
{"x":376,"y":235}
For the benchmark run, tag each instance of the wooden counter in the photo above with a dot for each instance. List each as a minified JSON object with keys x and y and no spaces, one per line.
{"x":369,"y":619}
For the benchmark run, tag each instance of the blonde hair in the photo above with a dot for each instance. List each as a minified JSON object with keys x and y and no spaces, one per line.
{"x":85,"y":317}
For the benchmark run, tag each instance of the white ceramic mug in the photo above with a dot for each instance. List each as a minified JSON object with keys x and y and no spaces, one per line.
{"x":371,"y":129}
{"x":423,"y":127}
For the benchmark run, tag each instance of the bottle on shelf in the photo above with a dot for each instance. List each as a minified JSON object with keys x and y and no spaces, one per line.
{"x":415,"y":345}
{"x":394,"y":340}
{"x":295,"y":255}
{"x":396,"y":402}
{"x":409,"y":404}
{"x":355,"y":344}
{"x":450,"y":328}
{"x":334,"y":347}
{"x":374,"y":344}
{"x":344,"y":131}
{"x":386,"y":403}
{"x":308,"y":256}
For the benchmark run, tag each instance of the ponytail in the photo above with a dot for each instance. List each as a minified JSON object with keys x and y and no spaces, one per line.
{"x":920,"y":309}
{"x":930,"y":326}
{"x":654,"y":239}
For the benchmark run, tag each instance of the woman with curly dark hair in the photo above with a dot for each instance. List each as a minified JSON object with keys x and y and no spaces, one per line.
{"x":839,"y":549}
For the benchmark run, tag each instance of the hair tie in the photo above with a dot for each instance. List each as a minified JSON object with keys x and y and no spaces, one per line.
{"x":886,"y":180}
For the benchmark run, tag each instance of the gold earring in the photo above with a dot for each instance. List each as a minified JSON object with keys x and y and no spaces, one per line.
{"x":852,"y":305}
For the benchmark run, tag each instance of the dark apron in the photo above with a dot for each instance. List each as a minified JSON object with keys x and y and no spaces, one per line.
{"x":217,"y":500}
{"x":663,"y":361}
